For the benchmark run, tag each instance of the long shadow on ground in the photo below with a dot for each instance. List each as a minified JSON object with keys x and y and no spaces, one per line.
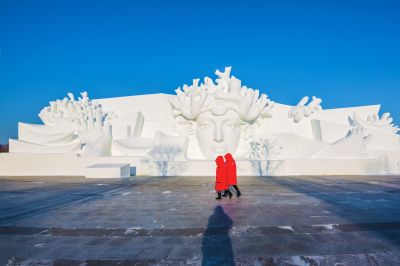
{"x":216,"y":246}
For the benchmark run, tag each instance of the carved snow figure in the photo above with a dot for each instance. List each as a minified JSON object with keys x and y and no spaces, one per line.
{"x":373,"y":122}
{"x":302,"y":110}
{"x":353,"y":145}
{"x":218,"y":113}
{"x":95,"y":134}
{"x":65,"y":112}
{"x":220,"y":176}
{"x":85,"y":118}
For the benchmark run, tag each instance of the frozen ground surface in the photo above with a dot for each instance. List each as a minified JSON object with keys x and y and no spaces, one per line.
{"x":323,"y":220}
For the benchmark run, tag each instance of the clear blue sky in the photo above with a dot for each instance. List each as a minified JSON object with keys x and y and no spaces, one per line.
{"x":346,"y":52}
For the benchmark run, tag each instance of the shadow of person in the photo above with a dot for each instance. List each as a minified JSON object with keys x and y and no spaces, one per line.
{"x":216,"y":246}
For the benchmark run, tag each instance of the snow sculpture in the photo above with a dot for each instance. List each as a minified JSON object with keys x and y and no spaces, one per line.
{"x":165,"y":147}
{"x":69,"y":112}
{"x":136,"y":146}
{"x":302,"y":110}
{"x":167,"y":154}
{"x":20,"y":146}
{"x":353,"y":145}
{"x":218,"y":113}
{"x":46,"y":135}
{"x":164,"y":134}
{"x":373,"y":122}
{"x":78,"y":126}
{"x":95,"y":133}
{"x":63,"y":112}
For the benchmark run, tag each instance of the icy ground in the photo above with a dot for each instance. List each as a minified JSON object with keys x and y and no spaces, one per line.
{"x":322,"y":220}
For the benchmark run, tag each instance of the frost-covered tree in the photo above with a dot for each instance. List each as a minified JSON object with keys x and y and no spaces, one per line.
{"x":261,"y":152}
{"x":163,"y":155}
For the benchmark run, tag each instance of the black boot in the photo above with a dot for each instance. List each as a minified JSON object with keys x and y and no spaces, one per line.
{"x":219,"y":196}
{"x":237,"y":191}
{"x":229,"y":193}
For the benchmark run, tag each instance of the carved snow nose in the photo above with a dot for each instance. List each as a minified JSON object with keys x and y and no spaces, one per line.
{"x":218,"y":134}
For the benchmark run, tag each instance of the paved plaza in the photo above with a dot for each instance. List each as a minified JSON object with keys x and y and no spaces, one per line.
{"x":324,"y":220}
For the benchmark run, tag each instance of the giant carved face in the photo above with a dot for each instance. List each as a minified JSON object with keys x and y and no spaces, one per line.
{"x":218,"y":135}
{"x":219,"y":110}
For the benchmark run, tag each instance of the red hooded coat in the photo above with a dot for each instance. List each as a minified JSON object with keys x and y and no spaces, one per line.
{"x":220,"y":177}
{"x":231,"y":169}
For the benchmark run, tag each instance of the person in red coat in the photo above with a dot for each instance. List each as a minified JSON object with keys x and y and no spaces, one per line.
{"x":231,"y":173}
{"x":220,"y":177}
